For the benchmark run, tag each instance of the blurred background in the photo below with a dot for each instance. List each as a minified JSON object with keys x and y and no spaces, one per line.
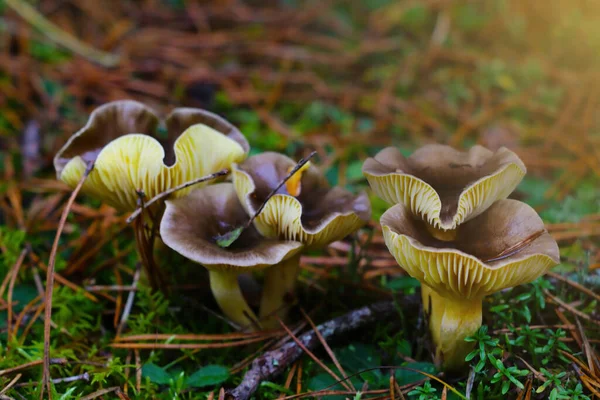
{"x":342,"y":77}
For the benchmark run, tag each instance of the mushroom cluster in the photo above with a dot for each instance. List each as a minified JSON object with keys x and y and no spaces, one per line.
{"x":277,"y":209}
{"x":452,"y":227}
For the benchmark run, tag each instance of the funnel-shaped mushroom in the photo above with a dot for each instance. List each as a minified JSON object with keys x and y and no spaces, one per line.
{"x":305,"y":209}
{"x":121,"y":138}
{"x":443,"y":186}
{"x":505,"y":246}
{"x":191,"y":225}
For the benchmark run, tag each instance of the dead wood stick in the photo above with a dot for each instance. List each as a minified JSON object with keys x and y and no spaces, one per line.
{"x":274,"y":362}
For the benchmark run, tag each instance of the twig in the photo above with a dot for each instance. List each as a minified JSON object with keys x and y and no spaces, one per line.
{"x":166,"y":193}
{"x":179,"y":346}
{"x":300,"y":164}
{"x":83,"y":377}
{"x":576,"y":285}
{"x":14,"y":273}
{"x":514,"y":249}
{"x":50,"y":283}
{"x":129,"y":302}
{"x":63,"y":38}
{"x":470,"y":382}
{"x":10,"y":384}
{"x":569,"y":308}
{"x":100,"y":392}
{"x":111,"y":288}
{"x":327,"y":349}
{"x":138,"y":370}
{"x":228,"y":238}
{"x":314,"y":357}
{"x":31,"y":364}
{"x":273,"y":362}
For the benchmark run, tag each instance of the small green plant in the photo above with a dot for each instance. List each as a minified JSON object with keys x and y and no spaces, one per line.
{"x":507,"y":375}
{"x":552,"y":349}
{"x":425,"y":392}
{"x":485,"y":345}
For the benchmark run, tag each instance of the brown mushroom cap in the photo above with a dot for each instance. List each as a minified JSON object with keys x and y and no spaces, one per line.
{"x":444,"y":186}
{"x":106,"y":123}
{"x":316,"y":217}
{"x":504,"y":247}
{"x":191,"y":224}
{"x":118,"y":138}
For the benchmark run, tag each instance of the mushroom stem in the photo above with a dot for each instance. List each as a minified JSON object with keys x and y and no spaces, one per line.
{"x":278,"y":289}
{"x":226,"y":289}
{"x":451,"y":321}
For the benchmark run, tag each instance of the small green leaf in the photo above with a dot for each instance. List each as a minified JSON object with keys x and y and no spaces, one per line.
{"x":156,"y":374}
{"x":209,"y":375}
{"x":228,"y":238}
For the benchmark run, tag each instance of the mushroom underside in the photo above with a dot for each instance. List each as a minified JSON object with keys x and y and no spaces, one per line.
{"x":450,"y":173}
{"x":508,"y":229}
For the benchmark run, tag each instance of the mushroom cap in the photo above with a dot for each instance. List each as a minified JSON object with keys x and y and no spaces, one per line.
{"x":117,"y":138}
{"x":191,"y":224}
{"x":318,"y":216}
{"x":444,"y":186}
{"x":472,"y":266}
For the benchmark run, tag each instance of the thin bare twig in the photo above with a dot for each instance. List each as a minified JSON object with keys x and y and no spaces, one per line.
{"x":83,"y":377}
{"x":11,"y":285}
{"x":10,"y":384}
{"x":129,"y":302}
{"x":299,"y":165}
{"x":327,"y":348}
{"x":31,"y":364}
{"x":229,"y":237}
{"x":166,"y":193}
{"x":101,"y":392}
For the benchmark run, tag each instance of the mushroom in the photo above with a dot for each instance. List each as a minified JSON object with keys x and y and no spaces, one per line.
{"x":191,"y":226}
{"x":505,"y":246}
{"x":121,"y":138}
{"x":306,"y":209}
{"x":444,"y":186}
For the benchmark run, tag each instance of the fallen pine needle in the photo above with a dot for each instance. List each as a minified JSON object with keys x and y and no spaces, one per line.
{"x":46,"y":384}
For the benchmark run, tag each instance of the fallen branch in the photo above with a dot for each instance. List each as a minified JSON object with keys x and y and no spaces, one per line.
{"x":274,"y":362}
